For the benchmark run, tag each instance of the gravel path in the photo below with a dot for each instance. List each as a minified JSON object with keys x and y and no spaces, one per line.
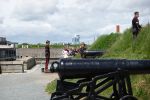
{"x":25,"y":86}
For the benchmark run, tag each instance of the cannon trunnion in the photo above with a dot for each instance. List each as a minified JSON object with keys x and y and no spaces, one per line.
{"x":95,"y":76}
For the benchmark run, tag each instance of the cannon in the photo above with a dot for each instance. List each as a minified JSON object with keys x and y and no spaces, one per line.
{"x":92,"y":53}
{"x":94,"y":76}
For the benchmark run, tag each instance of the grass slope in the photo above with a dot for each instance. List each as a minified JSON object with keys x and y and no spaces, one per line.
{"x":125,"y":48}
{"x":104,"y":42}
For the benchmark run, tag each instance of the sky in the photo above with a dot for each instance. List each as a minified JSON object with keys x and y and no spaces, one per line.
{"x":35,"y":21}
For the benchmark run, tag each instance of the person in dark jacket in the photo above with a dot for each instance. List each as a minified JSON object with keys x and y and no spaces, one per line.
{"x":47,"y":54}
{"x":82,"y":49}
{"x":135,"y":25}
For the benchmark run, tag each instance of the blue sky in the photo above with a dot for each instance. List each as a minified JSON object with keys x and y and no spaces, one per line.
{"x":34,"y":21}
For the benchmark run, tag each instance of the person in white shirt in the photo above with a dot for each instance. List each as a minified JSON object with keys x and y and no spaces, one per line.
{"x":65,"y":53}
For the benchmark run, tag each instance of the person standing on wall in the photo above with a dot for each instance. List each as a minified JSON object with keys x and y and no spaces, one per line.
{"x":47,"y":54}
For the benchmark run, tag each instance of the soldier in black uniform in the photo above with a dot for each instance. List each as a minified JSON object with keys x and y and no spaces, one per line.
{"x":47,"y":54}
{"x":135,"y":25}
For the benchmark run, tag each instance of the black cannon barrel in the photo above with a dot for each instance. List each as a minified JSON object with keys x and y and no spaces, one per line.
{"x":93,"y":53}
{"x":83,"y":68}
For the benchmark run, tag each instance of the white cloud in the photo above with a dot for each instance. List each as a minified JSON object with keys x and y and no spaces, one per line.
{"x":29,"y":10}
{"x":58,"y":20}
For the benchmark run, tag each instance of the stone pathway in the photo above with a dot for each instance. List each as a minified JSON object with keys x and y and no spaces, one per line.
{"x":25,"y":86}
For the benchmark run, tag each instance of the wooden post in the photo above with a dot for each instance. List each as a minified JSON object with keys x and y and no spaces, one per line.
{"x":23,"y":68}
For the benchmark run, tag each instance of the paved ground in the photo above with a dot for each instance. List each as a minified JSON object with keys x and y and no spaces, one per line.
{"x":25,"y":86}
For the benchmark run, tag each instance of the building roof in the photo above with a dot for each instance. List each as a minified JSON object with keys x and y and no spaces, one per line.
{"x":25,"y":44}
{"x":5,"y":46}
{"x":8,"y":42}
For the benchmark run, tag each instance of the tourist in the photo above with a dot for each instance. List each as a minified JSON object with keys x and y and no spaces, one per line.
{"x":65,"y":52}
{"x":82,"y":49}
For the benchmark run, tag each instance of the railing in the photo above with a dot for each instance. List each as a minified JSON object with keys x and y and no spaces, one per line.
{"x":7,"y":54}
{"x":8,"y":58}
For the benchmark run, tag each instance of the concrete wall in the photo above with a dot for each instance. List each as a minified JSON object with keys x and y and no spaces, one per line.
{"x":28,"y":62}
{"x":17,"y":66}
{"x":10,"y":66}
{"x":38,"y":53}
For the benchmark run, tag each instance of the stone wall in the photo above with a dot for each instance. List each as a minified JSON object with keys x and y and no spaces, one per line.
{"x":18,"y":65}
{"x":38,"y":52}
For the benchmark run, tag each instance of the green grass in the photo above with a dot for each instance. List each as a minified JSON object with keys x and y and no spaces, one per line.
{"x":141,"y":86}
{"x":105,"y":41}
{"x":51,"y":87}
{"x":125,"y":48}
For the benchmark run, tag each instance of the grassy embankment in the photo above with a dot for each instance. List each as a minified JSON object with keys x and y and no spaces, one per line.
{"x":125,"y":48}
{"x":122,"y":46}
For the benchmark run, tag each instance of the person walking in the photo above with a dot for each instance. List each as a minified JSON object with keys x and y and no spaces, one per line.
{"x":47,"y":54}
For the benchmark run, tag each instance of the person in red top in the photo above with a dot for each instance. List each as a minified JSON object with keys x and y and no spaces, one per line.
{"x":135,"y":25}
{"x":47,"y":54}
